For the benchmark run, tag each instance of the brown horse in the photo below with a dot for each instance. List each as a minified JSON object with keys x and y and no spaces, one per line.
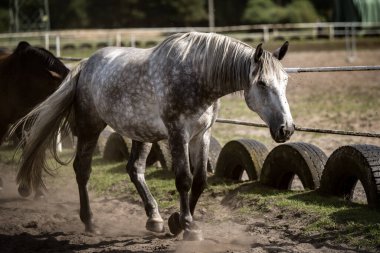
{"x":27,"y":77}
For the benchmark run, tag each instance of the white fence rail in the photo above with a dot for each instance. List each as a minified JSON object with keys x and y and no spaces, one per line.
{"x":132,"y":36}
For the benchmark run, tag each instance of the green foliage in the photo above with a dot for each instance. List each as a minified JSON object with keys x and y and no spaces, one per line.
{"x":167,"y":13}
{"x":150,"y":13}
{"x":229,"y":12}
{"x":266,"y":11}
{"x":263,"y":11}
{"x":68,"y":14}
{"x":4,"y":20}
{"x":300,"y":11}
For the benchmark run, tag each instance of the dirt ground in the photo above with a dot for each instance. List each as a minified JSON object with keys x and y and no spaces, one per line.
{"x":53,"y":224}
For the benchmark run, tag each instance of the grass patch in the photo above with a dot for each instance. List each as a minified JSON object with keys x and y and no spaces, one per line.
{"x":112,"y":178}
{"x":324,"y":218}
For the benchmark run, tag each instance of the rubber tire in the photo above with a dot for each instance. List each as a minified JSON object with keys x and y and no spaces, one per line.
{"x":346,"y":166}
{"x":102,"y":140}
{"x":161,"y":152}
{"x":174,"y":224}
{"x":117,"y":148}
{"x":285,"y":161}
{"x":239,"y":155}
{"x":213,"y":154}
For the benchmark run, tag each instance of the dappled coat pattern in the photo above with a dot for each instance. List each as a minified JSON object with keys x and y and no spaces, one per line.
{"x":167,"y":92}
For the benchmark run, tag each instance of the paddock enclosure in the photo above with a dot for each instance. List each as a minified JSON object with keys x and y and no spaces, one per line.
{"x":346,"y":167}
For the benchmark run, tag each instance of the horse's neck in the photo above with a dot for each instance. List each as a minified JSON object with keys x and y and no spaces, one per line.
{"x":217,"y":89}
{"x":226,"y":80}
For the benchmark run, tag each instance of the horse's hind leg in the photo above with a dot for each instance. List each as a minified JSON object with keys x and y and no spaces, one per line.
{"x":136,"y":169}
{"x":87,"y":141}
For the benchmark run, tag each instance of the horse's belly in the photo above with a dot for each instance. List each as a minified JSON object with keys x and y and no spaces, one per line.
{"x":137,"y":121}
{"x":144,"y":131}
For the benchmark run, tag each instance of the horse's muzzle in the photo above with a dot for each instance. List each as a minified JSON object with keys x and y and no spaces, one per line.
{"x":283,"y":133}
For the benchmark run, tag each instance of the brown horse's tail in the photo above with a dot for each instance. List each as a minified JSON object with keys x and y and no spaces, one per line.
{"x":46,"y":121}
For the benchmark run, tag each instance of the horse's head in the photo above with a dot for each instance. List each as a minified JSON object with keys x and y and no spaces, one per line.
{"x":266,"y":93}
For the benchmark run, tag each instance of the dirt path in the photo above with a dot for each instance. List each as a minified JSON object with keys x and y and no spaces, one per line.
{"x":53,"y":225}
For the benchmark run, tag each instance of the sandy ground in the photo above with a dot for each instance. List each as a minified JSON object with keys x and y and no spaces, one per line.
{"x":53,"y":225}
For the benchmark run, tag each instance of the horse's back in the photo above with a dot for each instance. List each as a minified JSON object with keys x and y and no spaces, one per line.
{"x":115,"y":85}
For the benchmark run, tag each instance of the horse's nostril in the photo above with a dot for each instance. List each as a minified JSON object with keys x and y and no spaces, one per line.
{"x":283,"y":131}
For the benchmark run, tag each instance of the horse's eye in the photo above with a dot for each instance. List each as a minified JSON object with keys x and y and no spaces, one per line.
{"x":261,"y":84}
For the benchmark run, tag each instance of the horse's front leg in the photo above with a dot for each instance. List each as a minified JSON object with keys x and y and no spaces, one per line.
{"x":199,"y":147}
{"x":136,"y":169}
{"x":179,"y":148}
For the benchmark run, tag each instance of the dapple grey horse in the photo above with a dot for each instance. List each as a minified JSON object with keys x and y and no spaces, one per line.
{"x":169,"y":92}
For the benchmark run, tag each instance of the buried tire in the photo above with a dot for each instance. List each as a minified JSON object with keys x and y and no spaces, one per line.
{"x":239,"y":156}
{"x":346,"y":166}
{"x":161,"y":152}
{"x":116,"y":148}
{"x":213,"y":154}
{"x":287,"y":160}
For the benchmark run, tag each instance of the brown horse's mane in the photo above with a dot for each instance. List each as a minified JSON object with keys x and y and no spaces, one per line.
{"x":32,"y":54}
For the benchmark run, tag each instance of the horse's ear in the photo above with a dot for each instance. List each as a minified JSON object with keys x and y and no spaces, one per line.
{"x":22,"y":46}
{"x":55,"y":75}
{"x":281,"y":52}
{"x":258,"y":52}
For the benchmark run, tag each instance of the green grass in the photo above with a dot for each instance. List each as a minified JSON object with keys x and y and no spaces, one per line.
{"x":324,"y":218}
{"x":112,"y":178}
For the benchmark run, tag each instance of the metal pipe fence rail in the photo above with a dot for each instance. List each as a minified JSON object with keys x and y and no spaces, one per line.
{"x":298,"y":128}
{"x":332,"y":69}
{"x":293,"y":70}
{"x":303,"y":129}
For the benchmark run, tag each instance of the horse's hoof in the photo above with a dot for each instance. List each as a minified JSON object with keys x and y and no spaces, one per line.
{"x":39,"y":196}
{"x":174,"y":224}
{"x":155,"y":225}
{"x":193,"y":235}
{"x":92,"y":229}
{"x":24,"y":191}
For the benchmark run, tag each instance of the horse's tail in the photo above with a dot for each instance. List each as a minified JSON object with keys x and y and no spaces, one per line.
{"x":46,"y":121}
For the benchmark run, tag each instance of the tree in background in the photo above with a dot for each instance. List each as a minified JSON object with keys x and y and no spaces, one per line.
{"x":4,"y":16}
{"x":268,"y":11}
{"x":301,"y":11}
{"x":166,"y":13}
{"x":148,"y":13}
{"x":229,"y":12}
{"x":114,"y":13}
{"x":68,"y":14}
{"x":324,"y":9}
{"x":263,"y":11}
